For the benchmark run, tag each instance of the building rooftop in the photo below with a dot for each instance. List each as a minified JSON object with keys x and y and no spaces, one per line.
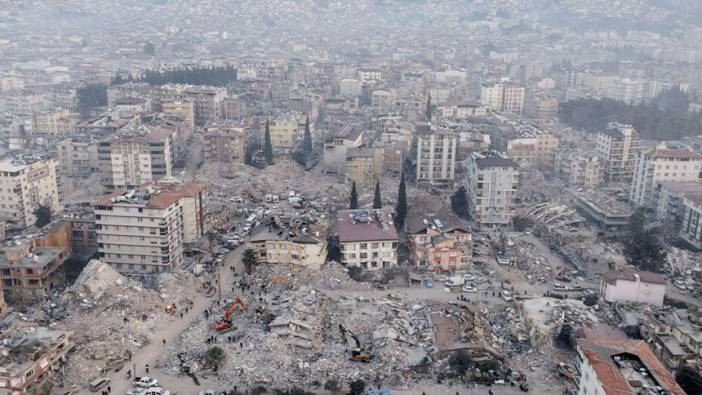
{"x":155,"y":196}
{"x":681,"y":187}
{"x":632,"y":275}
{"x":365,"y":225}
{"x":21,"y":347}
{"x":625,"y":366}
{"x":445,"y":222}
{"x":667,"y":153}
{"x":38,"y":257}
{"x":495,"y":161}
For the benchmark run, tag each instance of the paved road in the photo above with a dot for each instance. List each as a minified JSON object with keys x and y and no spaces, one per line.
{"x":151,"y":353}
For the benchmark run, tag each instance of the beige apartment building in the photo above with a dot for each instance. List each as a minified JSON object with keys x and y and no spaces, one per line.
{"x":291,"y":245}
{"x":184,"y":109}
{"x":54,"y":123}
{"x":503,"y":96}
{"x":368,"y":238}
{"x":662,"y":164}
{"x":78,"y":157}
{"x":363,"y":166}
{"x":24,"y":186}
{"x":144,"y":231}
{"x":618,"y":146}
{"x":225,"y":142}
{"x":533,"y":147}
{"x":436,"y":157}
{"x":492,"y":184}
{"x":284,"y":132}
{"x":134,"y":157}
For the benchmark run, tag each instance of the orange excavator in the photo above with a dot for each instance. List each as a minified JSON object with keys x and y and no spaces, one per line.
{"x":226,"y":322}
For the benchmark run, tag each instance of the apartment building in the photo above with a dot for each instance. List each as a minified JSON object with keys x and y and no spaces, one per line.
{"x":207,"y":101}
{"x":291,"y":244}
{"x":691,"y":229}
{"x":530,"y":145}
{"x":54,"y":123}
{"x":367,"y":75}
{"x":621,"y":366}
{"x":542,"y":107}
{"x":184,"y":109}
{"x":284,"y":132}
{"x":668,"y":200}
{"x":144,"y":231}
{"x":232,"y":109}
{"x":633,"y":286}
{"x":225,"y":142}
{"x":618,"y":147}
{"x":78,"y":157}
{"x":136,"y":156}
{"x":492,"y":183}
{"x":24,"y":186}
{"x":439,"y":242}
{"x":579,"y":169}
{"x":436,"y":157}
{"x":30,"y":356}
{"x":368,"y":238}
{"x":503,"y":96}
{"x":29,"y":267}
{"x":630,"y":91}
{"x":462,"y":110}
{"x":364,"y":166}
{"x":662,"y":164}
{"x":335,"y":148}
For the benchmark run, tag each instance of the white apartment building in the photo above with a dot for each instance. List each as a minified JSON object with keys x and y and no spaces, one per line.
{"x":135,"y":157}
{"x":691,"y":229}
{"x":629,"y":91}
{"x":533,"y":146}
{"x":663,"y":164}
{"x":25,"y":186}
{"x":143,"y":231}
{"x":369,"y":75}
{"x":503,"y":96}
{"x":462,"y":110}
{"x":368,"y":238}
{"x":492,"y":183}
{"x":579,"y":169}
{"x":436,"y":157}
{"x":618,"y":146}
{"x":335,"y":148}
{"x":350,"y":88}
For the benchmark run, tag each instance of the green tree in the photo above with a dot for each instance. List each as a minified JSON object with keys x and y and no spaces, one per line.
{"x":216,"y":357}
{"x":43,"y":214}
{"x":644,"y":248}
{"x":459,"y":203}
{"x":354,"y":197}
{"x":249,"y":260}
{"x":689,"y":380}
{"x":427,"y":111}
{"x":307,"y":144}
{"x":333,"y":248}
{"x":460,"y":362}
{"x":267,"y":146}
{"x":377,"y":201}
{"x":357,"y":387}
{"x":401,"y":208}
{"x":91,"y":96}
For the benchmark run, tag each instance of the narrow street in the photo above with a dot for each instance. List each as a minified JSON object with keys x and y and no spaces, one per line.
{"x":151,"y":353}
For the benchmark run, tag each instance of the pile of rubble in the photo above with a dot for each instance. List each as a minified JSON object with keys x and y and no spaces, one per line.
{"x":530,"y":257}
{"x":547,"y":314}
{"x":112,"y":317}
{"x":509,"y":331}
{"x":331,"y":276}
{"x":684,"y":263}
{"x":293,"y":337}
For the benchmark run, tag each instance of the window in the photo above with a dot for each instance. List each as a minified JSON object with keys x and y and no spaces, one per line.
{"x":364,"y":246}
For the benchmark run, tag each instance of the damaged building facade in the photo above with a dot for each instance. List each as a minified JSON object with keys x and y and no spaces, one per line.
{"x":439,"y":242}
{"x":290,"y":242}
{"x":368,"y":238}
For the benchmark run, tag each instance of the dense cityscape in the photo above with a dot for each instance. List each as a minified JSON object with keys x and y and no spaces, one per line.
{"x":370,"y":198}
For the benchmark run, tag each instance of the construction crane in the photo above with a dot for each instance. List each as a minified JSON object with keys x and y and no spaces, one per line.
{"x":358,"y":354}
{"x":226,"y":321}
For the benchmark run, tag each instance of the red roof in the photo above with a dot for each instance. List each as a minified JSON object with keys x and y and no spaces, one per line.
{"x":600,"y":352}
{"x":365,"y":225}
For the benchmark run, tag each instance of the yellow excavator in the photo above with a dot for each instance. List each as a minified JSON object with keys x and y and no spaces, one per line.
{"x":358,"y":353}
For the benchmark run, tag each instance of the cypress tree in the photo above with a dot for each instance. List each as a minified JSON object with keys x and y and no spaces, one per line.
{"x":354,"y":197}
{"x":307,"y":144}
{"x":427,"y":112}
{"x":377,"y":203}
{"x":401,"y":209}
{"x":267,"y":146}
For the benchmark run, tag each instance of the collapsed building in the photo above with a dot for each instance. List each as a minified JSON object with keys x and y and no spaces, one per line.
{"x":290,"y":241}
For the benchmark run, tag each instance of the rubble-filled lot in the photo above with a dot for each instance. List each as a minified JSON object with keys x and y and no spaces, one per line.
{"x":112,"y":317}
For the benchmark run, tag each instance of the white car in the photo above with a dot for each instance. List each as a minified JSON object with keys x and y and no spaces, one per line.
{"x":145,"y":382}
{"x":469,"y":289}
{"x":506,"y":295}
{"x":680,"y":284}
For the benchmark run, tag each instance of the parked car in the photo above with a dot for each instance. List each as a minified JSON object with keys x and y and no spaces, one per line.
{"x":680,"y":284}
{"x":145,"y":382}
{"x":506,"y":295}
{"x":469,"y":289}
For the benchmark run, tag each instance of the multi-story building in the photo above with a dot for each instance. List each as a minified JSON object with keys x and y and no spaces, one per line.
{"x":633,"y":286}
{"x":691,"y":230}
{"x":208,"y":102}
{"x":618,"y":146}
{"x":284,"y":132}
{"x":612,"y":215}
{"x":662,"y":164}
{"x":225,"y":142}
{"x":367,"y":75}
{"x":335,"y":148}
{"x":144,"y":231}
{"x":492,"y":183}
{"x":364,"y":166}
{"x":462,"y":110}
{"x":621,"y":366}
{"x":184,"y":109}
{"x":30,"y":268}
{"x":439,"y":242}
{"x":393,"y":159}
{"x":578,"y":168}
{"x":292,"y":244}
{"x":503,"y":96}
{"x":136,"y":156}
{"x":350,"y":88}
{"x":368,"y":238}
{"x":232,"y":109}
{"x":25,"y":186}
{"x":532,"y":146}
{"x":53,"y":123}
{"x":668,"y":200}
{"x":630,"y":91}
{"x":78,"y":157}
{"x":541,"y":107}
{"x":436,"y":157}
{"x":30,"y":356}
